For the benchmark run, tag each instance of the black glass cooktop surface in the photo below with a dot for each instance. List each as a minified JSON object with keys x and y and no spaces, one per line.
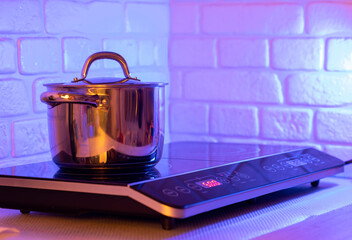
{"x":177,"y":158}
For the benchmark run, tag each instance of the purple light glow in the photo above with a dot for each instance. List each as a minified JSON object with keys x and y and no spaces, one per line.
{"x":238,"y":71}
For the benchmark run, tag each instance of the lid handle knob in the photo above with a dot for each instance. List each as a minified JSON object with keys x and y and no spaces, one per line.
{"x":105,"y":55}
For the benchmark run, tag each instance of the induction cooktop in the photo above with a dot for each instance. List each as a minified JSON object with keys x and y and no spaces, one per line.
{"x":191,"y":178}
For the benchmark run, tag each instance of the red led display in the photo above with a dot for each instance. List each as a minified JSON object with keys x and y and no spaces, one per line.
{"x":209,"y":183}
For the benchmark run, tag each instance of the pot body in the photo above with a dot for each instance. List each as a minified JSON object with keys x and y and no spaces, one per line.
{"x":123,"y":130}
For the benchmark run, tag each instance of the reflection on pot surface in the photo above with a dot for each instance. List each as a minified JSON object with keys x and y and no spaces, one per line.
{"x":126,"y":133}
{"x":106,"y":175}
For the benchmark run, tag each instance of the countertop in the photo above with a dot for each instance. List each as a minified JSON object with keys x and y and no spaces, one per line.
{"x":302,"y":212}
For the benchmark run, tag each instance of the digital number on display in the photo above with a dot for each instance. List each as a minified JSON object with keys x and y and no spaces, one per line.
{"x":296,"y":162}
{"x":209,"y":183}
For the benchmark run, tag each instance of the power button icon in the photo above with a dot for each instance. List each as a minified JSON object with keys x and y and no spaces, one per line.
{"x":170,"y":192}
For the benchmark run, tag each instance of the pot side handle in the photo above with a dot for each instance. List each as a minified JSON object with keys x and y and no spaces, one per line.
{"x":55,"y":98}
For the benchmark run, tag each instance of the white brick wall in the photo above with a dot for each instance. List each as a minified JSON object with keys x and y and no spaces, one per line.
{"x":17,"y":16}
{"x":243,"y":52}
{"x":126,"y":47}
{"x":39,"y":55}
{"x":184,"y":18}
{"x":286,"y":124}
{"x":334,"y":125}
{"x":269,"y":71}
{"x":8,"y":56}
{"x":176,"y":84}
{"x":225,"y":120}
{"x":85,"y":17}
{"x":339,"y":52}
{"x":232,"y":86}
{"x":297,"y":54}
{"x":196,"y":114}
{"x":319,"y":89}
{"x":240,"y":71}
{"x":256,"y":18}
{"x":15,"y":98}
{"x":325,"y":18}
{"x":75,"y":52}
{"x":193,"y":52}
{"x":31,"y":137}
{"x":4,"y":147}
{"x":47,"y":41}
{"x":147,"y":18}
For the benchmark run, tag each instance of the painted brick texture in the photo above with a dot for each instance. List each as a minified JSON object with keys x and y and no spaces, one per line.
{"x":319,"y":89}
{"x":147,"y":18}
{"x":339,"y":52}
{"x":76,"y":51}
{"x":175,"y":84}
{"x":296,"y":53}
{"x":17,"y":16}
{"x":4,"y":146}
{"x":241,"y":71}
{"x":39,"y":55}
{"x":31,"y":137}
{"x":254,"y":18}
{"x":184,"y":18}
{"x":127,"y":48}
{"x":243,"y":53}
{"x":234,"y":121}
{"x":286,"y":124}
{"x":48,"y":41}
{"x":84,"y":17}
{"x":193,"y":52}
{"x":329,"y":17}
{"x":14,"y":97}
{"x":334,"y":125}
{"x":269,"y":71}
{"x":233,"y":86}
{"x":189,"y":118}
{"x":8,"y":56}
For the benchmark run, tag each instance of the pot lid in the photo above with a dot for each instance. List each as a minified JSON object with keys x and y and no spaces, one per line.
{"x":104,"y":82}
{"x":107,"y":82}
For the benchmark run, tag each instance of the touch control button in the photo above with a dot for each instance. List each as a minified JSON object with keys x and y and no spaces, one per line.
{"x":235,"y":178}
{"x":170,"y":192}
{"x":194,"y":186}
{"x":222,"y":180}
{"x":242,"y":175}
{"x":270,"y":169}
{"x":279,"y":167}
{"x":182,"y":189}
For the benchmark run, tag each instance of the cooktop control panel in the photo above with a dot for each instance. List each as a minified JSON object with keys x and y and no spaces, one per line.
{"x":189,"y":189}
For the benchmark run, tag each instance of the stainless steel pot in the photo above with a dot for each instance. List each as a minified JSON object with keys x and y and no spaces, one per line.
{"x":105,"y":123}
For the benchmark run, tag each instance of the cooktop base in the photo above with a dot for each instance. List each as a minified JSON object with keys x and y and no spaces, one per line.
{"x":191,"y":178}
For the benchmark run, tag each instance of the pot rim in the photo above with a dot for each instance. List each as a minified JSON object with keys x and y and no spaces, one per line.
{"x":128,"y":84}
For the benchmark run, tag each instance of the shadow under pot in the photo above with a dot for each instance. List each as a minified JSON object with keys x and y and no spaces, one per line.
{"x":106,"y":123}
